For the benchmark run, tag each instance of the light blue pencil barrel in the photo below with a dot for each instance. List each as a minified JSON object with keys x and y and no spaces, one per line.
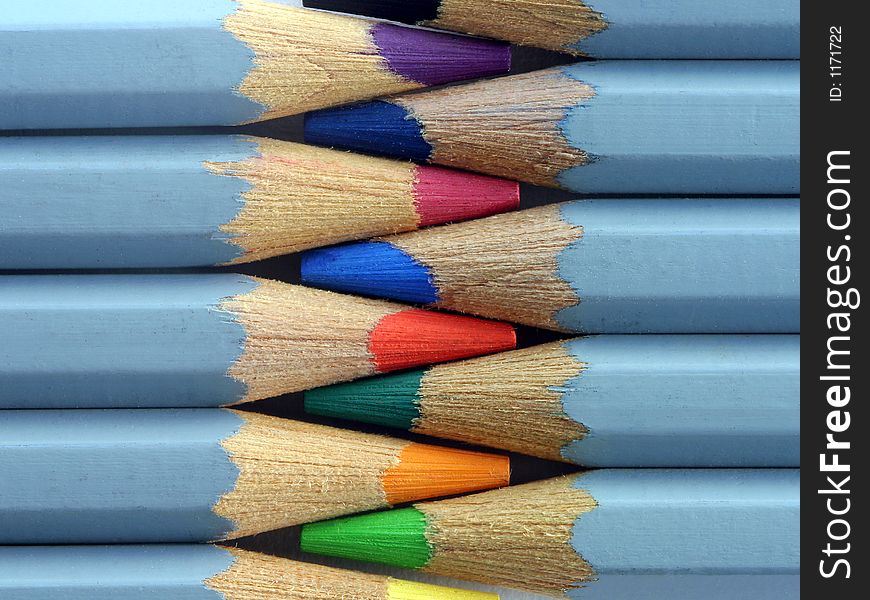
{"x":602,"y":401}
{"x":684,"y":534}
{"x":104,"y":63}
{"x":666,"y":401}
{"x":691,"y":29}
{"x":594,"y":266}
{"x":120,"y":340}
{"x":120,"y":201}
{"x":610,"y":127}
{"x":115,"y":476}
{"x":178,"y":571}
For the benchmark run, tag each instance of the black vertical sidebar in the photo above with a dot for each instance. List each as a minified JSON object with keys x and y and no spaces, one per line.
{"x":835,"y":362}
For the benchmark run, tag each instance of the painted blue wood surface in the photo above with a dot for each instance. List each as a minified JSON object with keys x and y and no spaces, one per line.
{"x":146,"y":572}
{"x":673,"y":266}
{"x":119,"y":340}
{"x":121,"y":64}
{"x":723,"y":127}
{"x":114,"y":476}
{"x":685,"y":401}
{"x":680,"y":533}
{"x":657,"y":586}
{"x":695,"y":29}
{"x":107,"y":201}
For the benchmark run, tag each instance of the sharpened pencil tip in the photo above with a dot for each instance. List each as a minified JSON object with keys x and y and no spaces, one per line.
{"x":403,"y":11}
{"x":427,"y":471}
{"x":376,"y":269}
{"x":412,"y":338}
{"x":401,"y":589}
{"x":390,"y":400}
{"x":394,"y":537}
{"x":379,"y":127}
{"x":448,"y":195}
{"x":432,"y":58}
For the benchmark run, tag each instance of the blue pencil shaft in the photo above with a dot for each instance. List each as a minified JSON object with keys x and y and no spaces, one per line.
{"x":720,"y":533}
{"x":119,"y":201}
{"x":677,"y":401}
{"x":719,"y":127}
{"x":717,"y":266}
{"x":121,"y":64}
{"x":114,"y":476}
{"x":176,"y":571}
{"x":691,"y":29}
{"x":119,"y":340}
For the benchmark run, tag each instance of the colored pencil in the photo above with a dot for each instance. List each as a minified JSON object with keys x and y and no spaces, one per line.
{"x":179,"y":201}
{"x":194,"y":475}
{"x":608,"y":28}
{"x":210,"y":62}
{"x":193,"y":571}
{"x":596,"y":266}
{"x":611,"y":127}
{"x":73,"y":341}
{"x":602,"y":401}
{"x":663,"y":534}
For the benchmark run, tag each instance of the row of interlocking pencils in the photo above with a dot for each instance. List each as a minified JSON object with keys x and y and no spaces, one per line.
{"x":430,"y":346}
{"x":661,"y":127}
{"x":193,"y":571}
{"x":223,"y":62}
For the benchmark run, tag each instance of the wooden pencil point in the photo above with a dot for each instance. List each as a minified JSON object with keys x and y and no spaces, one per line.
{"x":255,"y":576}
{"x":526,"y":111}
{"x":506,"y":382}
{"x":279,"y":483}
{"x":283,"y":352}
{"x":552,"y":24}
{"x":532,"y":273}
{"x":294,"y":67}
{"x":544,"y":511}
{"x":300,"y":196}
